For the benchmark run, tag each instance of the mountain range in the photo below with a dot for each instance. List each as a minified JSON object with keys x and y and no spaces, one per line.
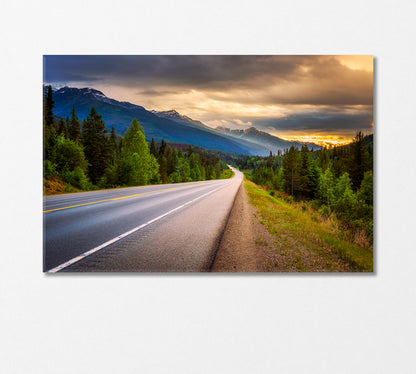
{"x":168,"y":125}
{"x":254,"y":135}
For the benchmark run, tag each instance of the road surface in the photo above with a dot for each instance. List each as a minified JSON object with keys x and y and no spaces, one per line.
{"x":171,"y":227}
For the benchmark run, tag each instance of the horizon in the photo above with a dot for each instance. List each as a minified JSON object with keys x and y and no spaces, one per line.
{"x":317,"y":99}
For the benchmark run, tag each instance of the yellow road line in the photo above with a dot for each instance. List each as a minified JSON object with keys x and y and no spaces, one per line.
{"x":116,"y":198}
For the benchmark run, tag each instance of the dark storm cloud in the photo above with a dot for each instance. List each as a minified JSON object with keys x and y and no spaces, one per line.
{"x":315,"y":80}
{"x":313,"y":93}
{"x":198,"y":71}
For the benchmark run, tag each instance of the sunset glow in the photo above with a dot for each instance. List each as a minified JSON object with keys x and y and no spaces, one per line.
{"x":323,"y":140}
{"x":362,"y":62}
{"x":323,"y":99}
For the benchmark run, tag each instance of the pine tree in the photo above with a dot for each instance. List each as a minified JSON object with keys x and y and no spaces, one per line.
{"x":49,"y":132}
{"x":66,"y":128}
{"x":269,"y":161}
{"x":326,"y":188}
{"x":193,"y":160}
{"x":96,"y":145}
{"x":162,"y":148}
{"x":203,"y":173}
{"x":113,"y":146}
{"x":48,"y":105}
{"x":357,"y":165}
{"x":313,"y":178}
{"x":172,"y":161}
{"x":291,"y":170}
{"x":278,"y":180}
{"x":153,"y":150}
{"x":60,"y":127}
{"x":154,"y":170}
{"x":189,"y":151}
{"x":304,"y":172}
{"x":323,"y":158}
{"x":183,"y":170}
{"x":163,"y":165}
{"x":74,"y":126}
{"x":218,"y":169}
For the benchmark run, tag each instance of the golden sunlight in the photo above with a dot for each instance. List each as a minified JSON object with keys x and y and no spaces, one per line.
{"x":359,"y":62}
{"x":323,"y":140}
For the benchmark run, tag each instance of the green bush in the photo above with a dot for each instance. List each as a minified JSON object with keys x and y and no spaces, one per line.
{"x":78,"y":179}
{"x":365,"y":193}
{"x":326,"y":188}
{"x":69,"y":156}
{"x":110,"y":177}
{"x":347,"y":206}
{"x":49,"y":169}
{"x":343,"y":183}
{"x":174,"y":178}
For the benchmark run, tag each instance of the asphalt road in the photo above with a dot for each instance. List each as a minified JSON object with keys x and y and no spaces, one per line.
{"x":174,"y":227}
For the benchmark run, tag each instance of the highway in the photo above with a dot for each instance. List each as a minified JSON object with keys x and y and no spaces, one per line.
{"x":159,"y":228}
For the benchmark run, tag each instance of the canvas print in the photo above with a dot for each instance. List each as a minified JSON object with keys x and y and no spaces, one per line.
{"x":207,"y":163}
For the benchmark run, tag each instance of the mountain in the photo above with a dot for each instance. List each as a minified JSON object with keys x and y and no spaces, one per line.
{"x":256,"y":136}
{"x":250,"y":135}
{"x":175,"y":116}
{"x":120,"y":114}
{"x":170,"y":125}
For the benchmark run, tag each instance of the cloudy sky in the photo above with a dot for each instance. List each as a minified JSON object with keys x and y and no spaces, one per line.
{"x":314,"y":98}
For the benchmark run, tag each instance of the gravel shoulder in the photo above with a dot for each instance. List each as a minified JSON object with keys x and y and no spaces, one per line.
{"x":246,"y":245}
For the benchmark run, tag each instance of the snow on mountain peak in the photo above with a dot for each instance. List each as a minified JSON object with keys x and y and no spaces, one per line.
{"x":92,"y":91}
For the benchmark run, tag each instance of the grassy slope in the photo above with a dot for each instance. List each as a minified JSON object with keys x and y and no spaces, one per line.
{"x":57,"y":185}
{"x":307,"y":240}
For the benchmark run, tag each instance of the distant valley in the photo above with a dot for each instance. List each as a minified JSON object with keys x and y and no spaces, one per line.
{"x":261,"y":137}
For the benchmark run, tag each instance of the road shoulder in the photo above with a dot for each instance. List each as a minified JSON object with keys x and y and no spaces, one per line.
{"x":246,"y":245}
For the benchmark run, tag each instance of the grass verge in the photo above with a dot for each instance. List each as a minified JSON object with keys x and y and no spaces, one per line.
{"x":309,"y":241}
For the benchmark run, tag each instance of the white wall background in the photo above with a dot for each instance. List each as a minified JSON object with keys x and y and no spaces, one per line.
{"x":206,"y":323}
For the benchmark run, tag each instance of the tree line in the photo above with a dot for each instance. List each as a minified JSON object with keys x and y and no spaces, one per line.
{"x":85,"y":155}
{"x":338,"y":180}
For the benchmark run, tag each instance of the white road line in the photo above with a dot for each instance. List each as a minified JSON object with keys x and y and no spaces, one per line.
{"x":116,"y":239}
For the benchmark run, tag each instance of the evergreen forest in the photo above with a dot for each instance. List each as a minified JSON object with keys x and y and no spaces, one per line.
{"x":84,"y":155}
{"x":337,"y":181}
